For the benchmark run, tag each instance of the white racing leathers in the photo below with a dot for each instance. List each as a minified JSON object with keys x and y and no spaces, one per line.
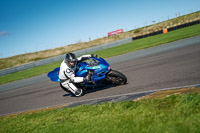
{"x":68,"y":77}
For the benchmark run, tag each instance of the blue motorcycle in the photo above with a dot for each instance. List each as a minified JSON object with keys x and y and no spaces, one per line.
{"x":100,"y":72}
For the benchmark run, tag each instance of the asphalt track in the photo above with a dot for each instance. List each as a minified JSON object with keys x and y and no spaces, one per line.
{"x":165,"y":66}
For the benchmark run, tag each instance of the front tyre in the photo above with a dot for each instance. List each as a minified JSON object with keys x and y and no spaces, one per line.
{"x":116,"y":77}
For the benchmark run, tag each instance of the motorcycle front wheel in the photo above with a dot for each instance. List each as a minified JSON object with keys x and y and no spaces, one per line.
{"x":116,"y":77}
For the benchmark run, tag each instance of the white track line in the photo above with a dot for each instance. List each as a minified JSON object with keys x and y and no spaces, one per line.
{"x":134,"y":93}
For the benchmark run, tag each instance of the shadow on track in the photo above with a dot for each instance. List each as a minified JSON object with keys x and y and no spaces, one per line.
{"x":91,"y":90}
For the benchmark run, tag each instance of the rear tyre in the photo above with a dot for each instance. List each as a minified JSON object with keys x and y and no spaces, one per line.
{"x":116,"y":77}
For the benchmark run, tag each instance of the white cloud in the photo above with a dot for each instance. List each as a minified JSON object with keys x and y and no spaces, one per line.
{"x":3,"y":33}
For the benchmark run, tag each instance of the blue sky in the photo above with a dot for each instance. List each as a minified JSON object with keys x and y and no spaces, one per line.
{"x":35,"y":25}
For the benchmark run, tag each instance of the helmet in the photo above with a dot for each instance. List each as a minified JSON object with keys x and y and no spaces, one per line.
{"x":70,"y":60}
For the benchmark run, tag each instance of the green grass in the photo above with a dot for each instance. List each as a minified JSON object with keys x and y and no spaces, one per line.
{"x":151,"y":41}
{"x":173,"y":114}
{"x":130,"y":47}
{"x":29,"y":57}
{"x":29,"y":72}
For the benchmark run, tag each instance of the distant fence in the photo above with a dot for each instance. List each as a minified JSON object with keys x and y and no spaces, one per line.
{"x":89,"y":50}
{"x":169,"y":29}
{"x":61,"y":57}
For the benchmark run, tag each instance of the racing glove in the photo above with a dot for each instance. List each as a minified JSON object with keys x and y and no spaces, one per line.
{"x":87,"y":78}
{"x":94,"y":55}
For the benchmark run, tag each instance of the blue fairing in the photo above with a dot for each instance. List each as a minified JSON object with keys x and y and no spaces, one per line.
{"x":53,"y":75}
{"x":98,"y":65}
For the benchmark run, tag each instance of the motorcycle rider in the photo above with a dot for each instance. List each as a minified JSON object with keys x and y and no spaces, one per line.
{"x":67,"y":73}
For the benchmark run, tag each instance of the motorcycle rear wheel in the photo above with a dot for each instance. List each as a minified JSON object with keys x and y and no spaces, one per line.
{"x":117,"y":78}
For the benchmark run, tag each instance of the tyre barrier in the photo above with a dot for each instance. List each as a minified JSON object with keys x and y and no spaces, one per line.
{"x":168,"y":29}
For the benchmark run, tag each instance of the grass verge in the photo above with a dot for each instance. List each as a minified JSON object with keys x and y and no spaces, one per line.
{"x":130,"y":47}
{"x":30,"y":57}
{"x":151,"y":41}
{"x":29,"y":72}
{"x":175,"y":113}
